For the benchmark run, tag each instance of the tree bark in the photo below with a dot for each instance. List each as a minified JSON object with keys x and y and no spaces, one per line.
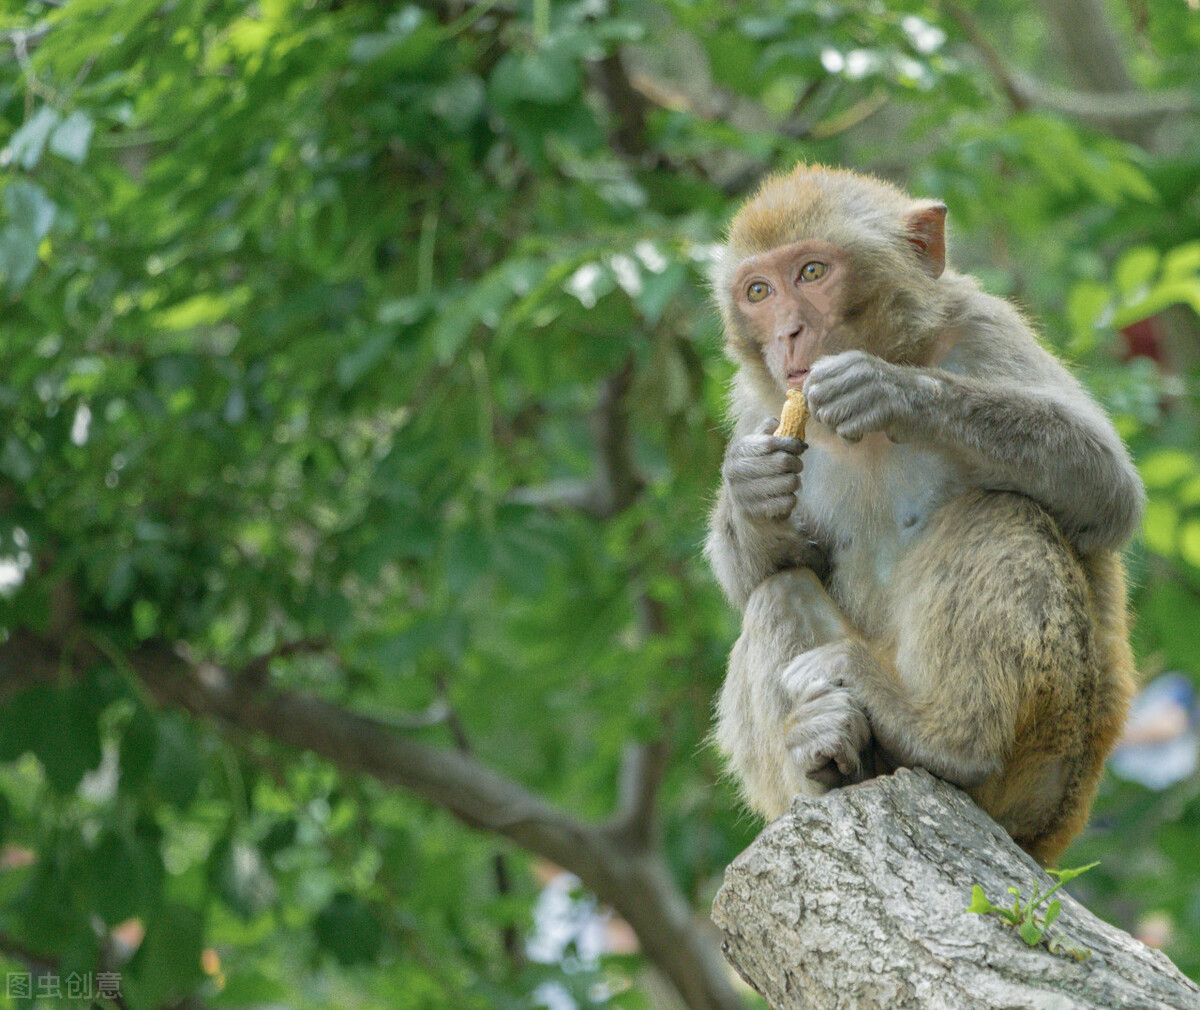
{"x":858,"y":899}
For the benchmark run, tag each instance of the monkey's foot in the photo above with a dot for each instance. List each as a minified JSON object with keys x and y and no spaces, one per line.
{"x":828,"y":734}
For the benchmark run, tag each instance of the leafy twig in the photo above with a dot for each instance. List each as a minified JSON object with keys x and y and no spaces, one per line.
{"x":1025,"y":917}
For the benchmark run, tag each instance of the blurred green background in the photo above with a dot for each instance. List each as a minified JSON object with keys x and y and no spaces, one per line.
{"x":362,"y":352}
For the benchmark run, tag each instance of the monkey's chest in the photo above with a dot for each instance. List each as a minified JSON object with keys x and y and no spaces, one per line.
{"x":866,"y":504}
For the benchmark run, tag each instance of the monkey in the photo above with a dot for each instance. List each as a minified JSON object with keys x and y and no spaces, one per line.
{"x":933,"y":577}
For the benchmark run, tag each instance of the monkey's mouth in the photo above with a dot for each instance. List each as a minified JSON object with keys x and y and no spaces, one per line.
{"x":795,"y":379}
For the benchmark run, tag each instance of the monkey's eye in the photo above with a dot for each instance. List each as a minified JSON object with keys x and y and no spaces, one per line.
{"x":813,"y":271}
{"x":756,"y":291}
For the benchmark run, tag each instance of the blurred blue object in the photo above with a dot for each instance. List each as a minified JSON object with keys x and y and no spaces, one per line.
{"x":1160,"y":744}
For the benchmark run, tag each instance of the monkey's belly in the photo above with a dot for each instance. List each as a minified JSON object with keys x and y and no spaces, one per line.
{"x":861,"y":584}
{"x":867,"y":504}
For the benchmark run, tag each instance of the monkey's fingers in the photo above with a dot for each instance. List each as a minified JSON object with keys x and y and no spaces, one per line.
{"x":830,"y":776}
{"x":794,"y":416}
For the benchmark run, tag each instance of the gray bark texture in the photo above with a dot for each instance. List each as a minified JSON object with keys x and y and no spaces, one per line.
{"x":857,"y":900}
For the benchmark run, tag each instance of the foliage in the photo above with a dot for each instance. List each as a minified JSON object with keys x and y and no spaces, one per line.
{"x":1032,"y":926}
{"x":311,"y":315}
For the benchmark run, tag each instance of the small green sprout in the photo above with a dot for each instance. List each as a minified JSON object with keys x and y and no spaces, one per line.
{"x":1026,"y":919}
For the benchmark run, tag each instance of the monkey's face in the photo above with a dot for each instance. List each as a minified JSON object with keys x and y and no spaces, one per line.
{"x":789,"y":302}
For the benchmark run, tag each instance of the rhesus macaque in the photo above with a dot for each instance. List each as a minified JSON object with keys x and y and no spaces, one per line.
{"x":934,"y":578}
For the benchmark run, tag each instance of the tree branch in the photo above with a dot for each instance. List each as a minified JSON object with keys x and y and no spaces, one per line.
{"x":616,"y":484}
{"x":618,"y":479}
{"x":642,"y":773}
{"x":636,"y":883}
{"x":1017,"y":97}
{"x":1094,"y":55}
{"x":858,"y":898}
{"x":626,"y":103}
{"x":509,"y":938}
{"x":1107,"y":107}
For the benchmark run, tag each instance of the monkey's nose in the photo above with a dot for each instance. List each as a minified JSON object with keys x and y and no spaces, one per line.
{"x":791,"y":332}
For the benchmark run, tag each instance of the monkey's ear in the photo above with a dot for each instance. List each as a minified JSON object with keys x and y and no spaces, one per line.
{"x":927,"y":233}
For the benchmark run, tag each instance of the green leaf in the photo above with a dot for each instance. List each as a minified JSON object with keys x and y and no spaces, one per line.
{"x":59,"y":725}
{"x":47,"y":908}
{"x":29,"y":141}
{"x":1086,"y":304}
{"x":980,"y":904}
{"x":409,"y":43}
{"x":167,"y":965}
{"x":1189,"y":542}
{"x":121,"y":876}
{"x":548,"y":76}
{"x":138,"y":742}
{"x":1170,"y":611}
{"x":1166,"y":467}
{"x":29,"y":209}
{"x":242,"y":878}
{"x":176,"y":770}
{"x":349,"y":930}
{"x":468,"y":555}
{"x":1157,"y":298}
{"x":1136,"y":269}
{"x":459,"y":103}
{"x":1160,"y":527}
{"x":70,"y":745}
{"x":362,"y":358}
{"x":1052,"y":911}
{"x":23,"y":718}
{"x":657,"y":291}
{"x":251,"y":987}
{"x":1182,"y":262}
{"x":30,"y":214}
{"x":1030,"y":931}
{"x":72,"y":137}
{"x":482,"y":303}
{"x":1064,"y":876}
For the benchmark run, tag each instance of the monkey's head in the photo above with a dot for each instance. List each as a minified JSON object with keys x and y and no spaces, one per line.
{"x":820,"y":261}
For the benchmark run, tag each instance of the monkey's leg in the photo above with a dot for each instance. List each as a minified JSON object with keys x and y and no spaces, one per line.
{"x":780,"y":723}
{"x":995,"y":683}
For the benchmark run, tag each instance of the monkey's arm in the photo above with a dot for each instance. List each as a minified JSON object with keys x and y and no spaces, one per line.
{"x":1038,"y":434}
{"x":752,"y":533}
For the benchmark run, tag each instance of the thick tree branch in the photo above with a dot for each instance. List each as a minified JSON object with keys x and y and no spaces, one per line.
{"x":635,"y":882}
{"x":1093,"y":51}
{"x":1108,"y":107}
{"x":858,"y":898}
{"x":1112,"y":101}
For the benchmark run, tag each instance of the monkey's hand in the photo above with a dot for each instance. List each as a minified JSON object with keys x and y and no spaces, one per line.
{"x":762,"y":473}
{"x":856,"y":393}
{"x":827,"y":731}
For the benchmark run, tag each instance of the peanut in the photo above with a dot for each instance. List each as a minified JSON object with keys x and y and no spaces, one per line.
{"x":794,"y":416}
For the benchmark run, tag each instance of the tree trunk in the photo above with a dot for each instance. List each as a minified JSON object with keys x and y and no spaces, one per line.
{"x":858,"y":899}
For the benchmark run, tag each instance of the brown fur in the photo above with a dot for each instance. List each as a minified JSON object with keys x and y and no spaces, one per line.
{"x":971,"y":598}
{"x":1018,"y":661}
